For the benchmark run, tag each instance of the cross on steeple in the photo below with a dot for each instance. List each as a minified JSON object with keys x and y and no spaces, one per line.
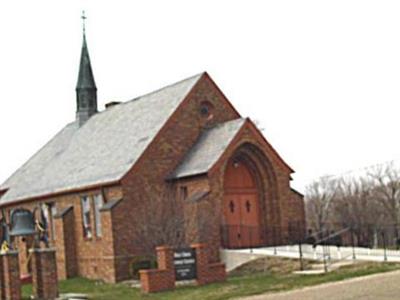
{"x":83,"y":17}
{"x":86,"y":91}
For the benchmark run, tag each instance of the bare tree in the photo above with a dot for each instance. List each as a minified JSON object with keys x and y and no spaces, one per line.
{"x":166,"y":220}
{"x":386,"y":190}
{"x":319,"y":202}
{"x":161,"y":222}
{"x":355,"y":209}
{"x":369,"y":205}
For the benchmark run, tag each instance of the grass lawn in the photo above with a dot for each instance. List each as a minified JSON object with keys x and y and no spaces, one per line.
{"x":275,"y":274}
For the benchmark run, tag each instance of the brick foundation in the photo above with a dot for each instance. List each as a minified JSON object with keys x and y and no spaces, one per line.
{"x":11,"y":282}
{"x":163,"y":278}
{"x":44,"y":274}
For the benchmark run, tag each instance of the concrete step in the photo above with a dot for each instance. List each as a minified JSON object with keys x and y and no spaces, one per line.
{"x":73,"y":296}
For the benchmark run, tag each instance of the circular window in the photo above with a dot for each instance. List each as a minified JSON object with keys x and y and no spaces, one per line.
{"x":205,"y":109}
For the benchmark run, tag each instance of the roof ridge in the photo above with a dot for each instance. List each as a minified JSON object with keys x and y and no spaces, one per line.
{"x":43,"y":173}
{"x":160,"y":89}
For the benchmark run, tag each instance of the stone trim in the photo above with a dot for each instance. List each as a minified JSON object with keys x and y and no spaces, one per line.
{"x":63,"y":212}
{"x":10,"y":252}
{"x":197,"y":196}
{"x":109,"y":205}
{"x":41,"y":250}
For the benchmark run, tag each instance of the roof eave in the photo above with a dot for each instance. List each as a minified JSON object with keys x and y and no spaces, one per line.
{"x":249,"y":121}
{"x":297,"y":192}
{"x":187,"y":176}
{"x":59,"y":193}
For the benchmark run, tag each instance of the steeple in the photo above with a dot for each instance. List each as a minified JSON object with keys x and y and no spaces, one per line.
{"x":86,"y":91}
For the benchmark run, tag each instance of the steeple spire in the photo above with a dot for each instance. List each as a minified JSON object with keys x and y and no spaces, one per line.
{"x":86,"y":91}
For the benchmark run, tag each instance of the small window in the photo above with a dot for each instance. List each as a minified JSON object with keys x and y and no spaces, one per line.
{"x":98,"y":204}
{"x":248,"y":206}
{"x":43,"y":222}
{"x":53,"y":211}
{"x":184,"y":192}
{"x":232,"y":207}
{"x":44,"y":215}
{"x":87,"y":230}
{"x":47,"y":221}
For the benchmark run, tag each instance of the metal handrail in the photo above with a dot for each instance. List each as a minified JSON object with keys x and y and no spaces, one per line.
{"x":337,"y":233}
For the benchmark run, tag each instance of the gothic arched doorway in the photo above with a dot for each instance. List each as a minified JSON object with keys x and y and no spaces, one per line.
{"x":241,"y":203}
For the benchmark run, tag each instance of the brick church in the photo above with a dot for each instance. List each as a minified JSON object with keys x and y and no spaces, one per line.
{"x":175,"y":166}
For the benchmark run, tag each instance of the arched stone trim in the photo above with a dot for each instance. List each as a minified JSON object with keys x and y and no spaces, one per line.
{"x":266,"y":180}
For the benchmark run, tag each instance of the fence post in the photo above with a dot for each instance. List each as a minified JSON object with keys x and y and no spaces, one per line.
{"x":301,"y":257}
{"x":251,"y":238}
{"x":384,"y":247}
{"x":324,"y":256}
{"x":352,"y":245}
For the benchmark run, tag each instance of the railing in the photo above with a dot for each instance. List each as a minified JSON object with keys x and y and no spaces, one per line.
{"x":250,"y":236}
{"x":242,"y":236}
{"x":327,"y":246}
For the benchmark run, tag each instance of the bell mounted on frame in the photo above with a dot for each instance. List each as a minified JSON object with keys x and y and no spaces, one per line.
{"x":22,"y":223}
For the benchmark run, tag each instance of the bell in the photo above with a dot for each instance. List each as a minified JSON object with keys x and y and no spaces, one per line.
{"x":22,"y":222}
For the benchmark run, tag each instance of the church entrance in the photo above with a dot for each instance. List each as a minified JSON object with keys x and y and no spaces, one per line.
{"x":241,"y":226}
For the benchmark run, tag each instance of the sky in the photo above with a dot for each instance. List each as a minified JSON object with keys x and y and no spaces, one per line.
{"x":321,"y":78}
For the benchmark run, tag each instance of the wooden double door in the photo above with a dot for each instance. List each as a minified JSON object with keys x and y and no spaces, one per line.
{"x":241,"y":227}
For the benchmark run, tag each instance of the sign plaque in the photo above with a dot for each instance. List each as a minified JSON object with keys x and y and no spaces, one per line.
{"x":185,"y":264}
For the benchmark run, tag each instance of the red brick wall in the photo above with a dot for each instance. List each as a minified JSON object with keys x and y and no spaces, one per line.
{"x":147,"y":180}
{"x":297,"y":216}
{"x":91,"y":258}
{"x":274,"y":179}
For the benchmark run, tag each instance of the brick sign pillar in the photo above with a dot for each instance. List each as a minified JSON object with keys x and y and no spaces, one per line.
{"x":44,"y":274}
{"x":163,"y":278}
{"x":11,"y":282}
{"x":207,"y":272}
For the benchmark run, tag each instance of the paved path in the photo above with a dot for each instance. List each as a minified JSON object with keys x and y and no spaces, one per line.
{"x":382,"y":286}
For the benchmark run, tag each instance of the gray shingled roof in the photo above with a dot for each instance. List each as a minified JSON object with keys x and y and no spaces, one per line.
{"x":100,"y":151}
{"x":208,"y":149}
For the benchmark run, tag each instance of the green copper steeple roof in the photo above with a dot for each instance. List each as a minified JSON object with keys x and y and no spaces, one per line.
{"x":85,"y":77}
